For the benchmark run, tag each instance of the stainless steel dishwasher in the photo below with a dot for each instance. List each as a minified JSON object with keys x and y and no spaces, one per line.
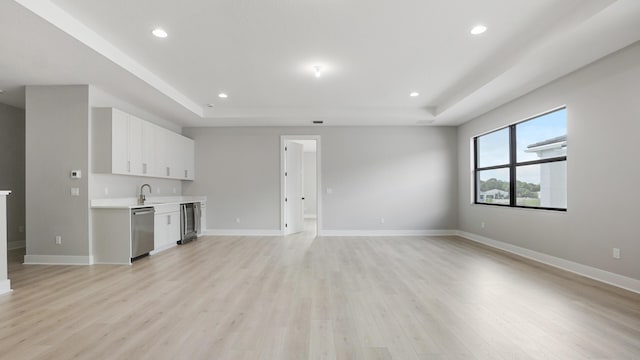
{"x":141,"y":231}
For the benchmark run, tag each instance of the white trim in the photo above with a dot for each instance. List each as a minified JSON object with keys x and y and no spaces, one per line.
{"x":318,"y":139}
{"x":388,"y":233}
{"x":5,"y":286}
{"x":112,"y":263}
{"x":163,"y":248}
{"x":310,"y":216}
{"x":57,"y":260}
{"x":243,"y":232}
{"x":617,"y":280}
{"x":13,"y":245}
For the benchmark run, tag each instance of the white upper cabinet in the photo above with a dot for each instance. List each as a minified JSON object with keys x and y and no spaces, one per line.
{"x":161,"y":163}
{"x":174,"y":157}
{"x":186,"y":152}
{"x":116,"y":137}
{"x":134,"y":144}
{"x":125,"y":144}
{"x":148,"y":149}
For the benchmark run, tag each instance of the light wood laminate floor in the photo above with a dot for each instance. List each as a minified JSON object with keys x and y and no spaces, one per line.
{"x":300,"y":297}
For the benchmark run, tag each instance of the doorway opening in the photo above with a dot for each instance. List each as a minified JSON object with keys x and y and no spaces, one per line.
{"x":300,"y":180}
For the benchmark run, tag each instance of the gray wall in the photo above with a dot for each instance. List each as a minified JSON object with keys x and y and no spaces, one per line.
{"x":12,"y":170}
{"x":405,"y":174}
{"x":309,"y":186}
{"x":57,"y":141}
{"x":603,"y":173}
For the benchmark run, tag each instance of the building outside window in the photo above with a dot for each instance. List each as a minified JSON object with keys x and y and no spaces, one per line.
{"x":524,"y":164}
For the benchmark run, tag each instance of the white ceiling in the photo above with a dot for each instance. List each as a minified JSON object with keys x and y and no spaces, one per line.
{"x":261,"y":53}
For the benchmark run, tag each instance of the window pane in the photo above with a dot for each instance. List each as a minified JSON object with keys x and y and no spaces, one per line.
{"x":493,"y":148}
{"x":542,"y":137}
{"x":542,"y":185}
{"x":493,"y":186}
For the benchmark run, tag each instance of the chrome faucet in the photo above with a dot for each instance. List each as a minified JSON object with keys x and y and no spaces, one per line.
{"x":142,"y":198}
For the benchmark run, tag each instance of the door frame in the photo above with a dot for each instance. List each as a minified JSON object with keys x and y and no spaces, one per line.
{"x":283,"y":141}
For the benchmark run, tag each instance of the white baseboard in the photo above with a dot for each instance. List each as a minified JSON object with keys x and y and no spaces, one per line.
{"x":242,"y":232}
{"x":310,"y":216}
{"x":57,"y":260}
{"x":5,"y":286}
{"x":387,"y":232}
{"x":12,"y":245}
{"x":163,"y":248}
{"x":617,"y":280}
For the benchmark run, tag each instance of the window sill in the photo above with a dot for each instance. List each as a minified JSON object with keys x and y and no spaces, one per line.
{"x":506,"y":207}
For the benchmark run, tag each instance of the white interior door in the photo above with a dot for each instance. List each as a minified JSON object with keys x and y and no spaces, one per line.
{"x":294,"y":207}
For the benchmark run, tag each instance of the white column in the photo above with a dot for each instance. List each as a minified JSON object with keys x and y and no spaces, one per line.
{"x":5,"y":284}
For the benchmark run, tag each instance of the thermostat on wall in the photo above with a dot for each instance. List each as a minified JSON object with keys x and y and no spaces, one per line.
{"x":76,"y":174}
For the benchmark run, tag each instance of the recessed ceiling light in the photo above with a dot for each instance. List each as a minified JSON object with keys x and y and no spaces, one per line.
{"x":223,"y":95}
{"x":210,"y":105}
{"x":159,"y":33}
{"x":1,"y":91}
{"x":317,"y":70}
{"x":478,"y":29}
{"x":414,"y":94}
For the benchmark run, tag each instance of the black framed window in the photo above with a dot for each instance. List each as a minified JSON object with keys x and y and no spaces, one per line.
{"x":524,"y":164}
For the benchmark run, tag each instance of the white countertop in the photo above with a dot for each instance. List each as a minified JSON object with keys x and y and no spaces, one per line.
{"x":5,"y":192}
{"x":132,"y":203}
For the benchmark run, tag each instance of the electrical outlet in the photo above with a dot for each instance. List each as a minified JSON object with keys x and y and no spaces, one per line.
{"x":616,"y":253}
{"x":75,"y":191}
{"x":106,"y":191}
{"x":238,"y":220}
{"x":381,"y":220}
{"x":482,"y":224}
{"x":58,"y":240}
{"x":329,"y":191}
{"x":158,"y":190}
{"x":175,"y":191}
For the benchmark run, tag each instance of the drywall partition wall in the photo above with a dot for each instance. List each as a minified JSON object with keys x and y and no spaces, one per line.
{"x":404,"y":176}
{"x":57,"y":141}
{"x":602,"y":170}
{"x":12,"y":171}
{"x":101,"y":98}
{"x":309,"y":187}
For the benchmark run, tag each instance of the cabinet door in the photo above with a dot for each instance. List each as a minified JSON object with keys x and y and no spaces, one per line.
{"x":174,"y":154}
{"x":134,"y":143}
{"x":186,"y":158}
{"x":119,"y":142}
{"x":173,"y":229}
{"x":160,"y":146}
{"x":203,"y":218}
{"x":159,"y":231}
{"x":148,"y":149}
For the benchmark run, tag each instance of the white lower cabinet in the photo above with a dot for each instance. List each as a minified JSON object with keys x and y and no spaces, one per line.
{"x":166,"y":226}
{"x":203,"y":218}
